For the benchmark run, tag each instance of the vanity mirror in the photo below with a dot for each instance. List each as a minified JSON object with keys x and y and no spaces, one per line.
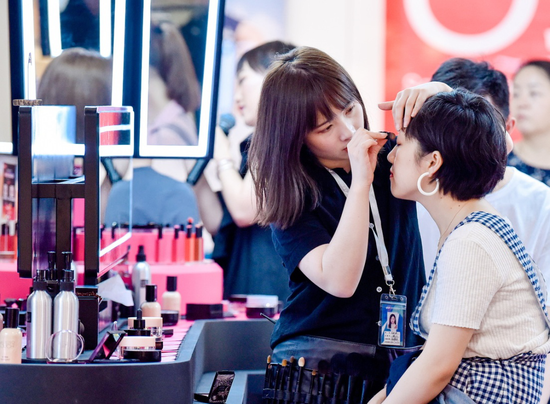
{"x":184,"y":33}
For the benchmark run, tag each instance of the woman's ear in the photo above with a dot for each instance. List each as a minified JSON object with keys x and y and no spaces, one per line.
{"x":434,"y":162}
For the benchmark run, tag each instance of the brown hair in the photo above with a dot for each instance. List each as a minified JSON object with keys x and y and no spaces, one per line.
{"x":77,"y":77}
{"x":299,"y":85}
{"x":170,"y":56}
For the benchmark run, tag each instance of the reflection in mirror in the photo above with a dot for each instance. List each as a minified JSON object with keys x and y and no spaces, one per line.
{"x":179,"y":77}
{"x":76,"y":23}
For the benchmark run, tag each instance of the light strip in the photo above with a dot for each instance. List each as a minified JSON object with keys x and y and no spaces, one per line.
{"x":118,"y":53}
{"x":6,"y":147}
{"x":207,"y":93}
{"x":29,"y":71}
{"x":105,"y":28}
{"x":145,"y":45}
{"x":54,"y":28}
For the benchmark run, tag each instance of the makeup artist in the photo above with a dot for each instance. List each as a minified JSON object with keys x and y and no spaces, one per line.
{"x":312,"y":136}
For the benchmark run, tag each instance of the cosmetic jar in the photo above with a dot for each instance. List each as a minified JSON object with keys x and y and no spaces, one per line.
{"x":170,"y":317}
{"x":143,"y":343}
{"x":256,"y":305}
{"x":143,"y":355}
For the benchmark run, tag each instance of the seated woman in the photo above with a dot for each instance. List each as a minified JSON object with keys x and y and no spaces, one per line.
{"x":483,"y":309}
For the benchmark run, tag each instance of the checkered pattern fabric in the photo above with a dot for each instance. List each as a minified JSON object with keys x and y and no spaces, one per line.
{"x":515,"y":380}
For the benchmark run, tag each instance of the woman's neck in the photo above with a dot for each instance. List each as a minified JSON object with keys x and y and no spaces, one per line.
{"x":158,"y":96}
{"x":534,"y":150}
{"x":448,"y":212}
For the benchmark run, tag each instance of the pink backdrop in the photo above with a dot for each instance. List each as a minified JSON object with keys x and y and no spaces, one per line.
{"x":421,"y":34}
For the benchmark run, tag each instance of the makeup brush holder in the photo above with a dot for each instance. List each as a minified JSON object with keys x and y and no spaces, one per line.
{"x":352,"y":382}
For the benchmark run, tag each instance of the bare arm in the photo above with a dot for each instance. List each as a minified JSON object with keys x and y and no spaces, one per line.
{"x":408,"y":102}
{"x":432,"y":370}
{"x":337,"y":267}
{"x":210,"y":208}
{"x":238,"y":192}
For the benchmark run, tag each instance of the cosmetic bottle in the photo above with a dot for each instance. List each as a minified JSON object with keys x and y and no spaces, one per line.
{"x":39,"y":317}
{"x":65,"y":317}
{"x":199,"y":243}
{"x":151,"y":308}
{"x":69,"y":265}
{"x":171,"y":301}
{"x":10,"y":338}
{"x":51,"y":275}
{"x":141,"y":276}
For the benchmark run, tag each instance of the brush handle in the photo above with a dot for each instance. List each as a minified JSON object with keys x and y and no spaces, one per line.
{"x":321,"y":391}
{"x":364,"y":391}
{"x":351,"y":384}
{"x":298,"y":391}
{"x":309,"y":395}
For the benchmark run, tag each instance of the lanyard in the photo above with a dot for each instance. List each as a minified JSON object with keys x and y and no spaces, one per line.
{"x":376,"y":230}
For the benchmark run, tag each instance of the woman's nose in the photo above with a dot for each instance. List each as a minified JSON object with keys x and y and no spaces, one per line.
{"x":391,"y":155}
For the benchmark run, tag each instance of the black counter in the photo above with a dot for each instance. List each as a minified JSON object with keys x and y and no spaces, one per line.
{"x":208,"y":346}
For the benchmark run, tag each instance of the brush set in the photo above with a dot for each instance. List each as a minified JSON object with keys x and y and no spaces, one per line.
{"x":345,"y":379}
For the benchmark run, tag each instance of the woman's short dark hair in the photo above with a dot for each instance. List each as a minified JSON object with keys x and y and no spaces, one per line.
{"x":299,"y":85}
{"x":261,"y":57}
{"x":541,"y":64}
{"x":470,"y":134}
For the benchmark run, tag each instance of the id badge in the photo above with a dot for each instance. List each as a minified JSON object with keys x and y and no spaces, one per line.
{"x":393,"y":315}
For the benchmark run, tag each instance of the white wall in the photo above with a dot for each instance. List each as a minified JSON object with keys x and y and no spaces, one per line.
{"x":351,"y":31}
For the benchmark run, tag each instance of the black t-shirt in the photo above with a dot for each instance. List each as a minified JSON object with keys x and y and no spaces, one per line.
{"x":312,"y":311}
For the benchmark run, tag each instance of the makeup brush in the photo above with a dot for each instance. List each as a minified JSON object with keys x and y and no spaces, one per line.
{"x":368,"y":373}
{"x":298,"y":391}
{"x":324,"y":371}
{"x":267,"y":380}
{"x":267,"y":373}
{"x":338,"y":365}
{"x":309,"y":395}
{"x":354,"y":363}
{"x":279,"y":382}
{"x":288,"y":392}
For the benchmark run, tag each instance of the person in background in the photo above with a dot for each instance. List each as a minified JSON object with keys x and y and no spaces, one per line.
{"x":531,"y":106}
{"x":314,"y":161}
{"x":77,"y":77}
{"x":242,"y":248}
{"x":156,"y":198}
{"x":483,"y":312}
{"x":517,"y":195}
{"x":174,"y":91}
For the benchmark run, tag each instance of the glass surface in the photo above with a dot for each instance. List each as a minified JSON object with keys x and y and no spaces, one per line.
{"x":116,"y":140}
{"x":53,"y":136}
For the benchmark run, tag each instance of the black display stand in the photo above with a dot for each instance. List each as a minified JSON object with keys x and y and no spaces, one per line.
{"x":44,"y":177}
